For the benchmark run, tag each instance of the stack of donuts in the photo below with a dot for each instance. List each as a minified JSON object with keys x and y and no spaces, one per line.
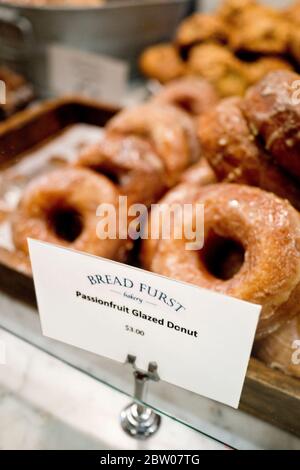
{"x":239,"y":157}
{"x":248,"y":179}
{"x":233,"y":48}
{"x":142,"y":152}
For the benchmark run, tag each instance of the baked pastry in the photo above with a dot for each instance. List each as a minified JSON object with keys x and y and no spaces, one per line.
{"x":199,"y":28}
{"x":218,"y":65}
{"x":263,"y":232}
{"x":162,"y":62}
{"x":192,"y":94}
{"x":273,"y":113}
{"x":258,"y":69}
{"x":130,"y":163}
{"x":236,"y":156}
{"x":200,"y":174}
{"x":292,"y":12}
{"x":281,"y":350}
{"x":230,"y":11}
{"x":61,"y":208}
{"x":170,"y":131}
{"x":260,"y":30}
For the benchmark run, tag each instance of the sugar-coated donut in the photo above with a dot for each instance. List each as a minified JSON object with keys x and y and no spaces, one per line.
{"x":170,"y":131}
{"x":130,"y":163}
{"x":200,"y":173}
{"x":237,"y":157}
{"x":194,"y":95}
{"x":272,"y":109}
{"x":281,"y":350}
{"x":60,"y":207}
{"x":265,"y":234}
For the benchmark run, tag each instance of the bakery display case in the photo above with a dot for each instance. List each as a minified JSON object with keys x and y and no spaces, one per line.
{"x":218,"y":127}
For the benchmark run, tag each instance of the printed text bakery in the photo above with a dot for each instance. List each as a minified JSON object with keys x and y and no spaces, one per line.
{"x":143,"y":289}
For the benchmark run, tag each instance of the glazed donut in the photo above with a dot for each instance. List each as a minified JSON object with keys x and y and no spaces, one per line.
{"x":162,"y":62}
{"x":199,"y":28}
{"x":193,"y":95}
{"x":260,"y":30}
{"x":130,"y":163}
{"x":261,"y":228}
{"x":228,"y":144}
{"x":200,"y":174}
{"x":235,"y":155}
{"x":60,"y":208}
{"x":170,"y":131}
{"x":275,"y":118}
{"x":278,"y":349}
{"x":218,"y":65}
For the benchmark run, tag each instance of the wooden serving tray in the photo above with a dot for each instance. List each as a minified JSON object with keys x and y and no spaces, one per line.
{"x":268,"y":394}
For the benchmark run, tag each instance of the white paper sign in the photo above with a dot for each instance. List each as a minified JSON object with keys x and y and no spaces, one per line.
{"x":200,"y":340}
{"x":78,"y":72}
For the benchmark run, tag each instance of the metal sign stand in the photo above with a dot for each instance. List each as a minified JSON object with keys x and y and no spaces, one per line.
{"x":138,"y":420}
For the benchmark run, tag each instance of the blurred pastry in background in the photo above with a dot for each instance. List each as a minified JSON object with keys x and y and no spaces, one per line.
{"x":230,"y":11}
{"x":18,"y":93}
{"x":233,"y":48}
{"x":219,"y":66}
{"x":260,"y":30}
{"x":261,"y":67}
{"x":200,"y":28}
{"x":192,"y":94}
{"x":162,"y":62}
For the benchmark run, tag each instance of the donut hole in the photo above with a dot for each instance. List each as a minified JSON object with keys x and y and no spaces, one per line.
{"x":109,"y":173}
{"x":222,"y":257}
{"x":186,"y":104}
{"x":66,"y":223}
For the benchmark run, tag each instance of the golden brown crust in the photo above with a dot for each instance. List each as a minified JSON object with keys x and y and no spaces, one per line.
{"x":131,"y":164}
{"x":170,"y":131}
{"x":267,"y":227}
{"x":278,"y":349}
{"x":273,"y":114}
{"x":200,"y":28}
{"x":162,"y":62}
{"x":192,"y":94}
{"x":199,"y":174}
{"x":50,"y":199}
{"x":228,"y":144}
{"x":230,"y":11}
{"x":218,"y":65}
{"x":263,"y":66}
{"x":231,"y":149}
{"x":261,"y":30}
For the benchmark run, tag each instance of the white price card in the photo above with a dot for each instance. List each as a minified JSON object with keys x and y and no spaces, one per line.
{"x":89,"y":74}
{"x":200,"y":340}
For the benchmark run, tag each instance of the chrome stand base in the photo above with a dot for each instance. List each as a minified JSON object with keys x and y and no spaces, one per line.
{"x":139,"y":422}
